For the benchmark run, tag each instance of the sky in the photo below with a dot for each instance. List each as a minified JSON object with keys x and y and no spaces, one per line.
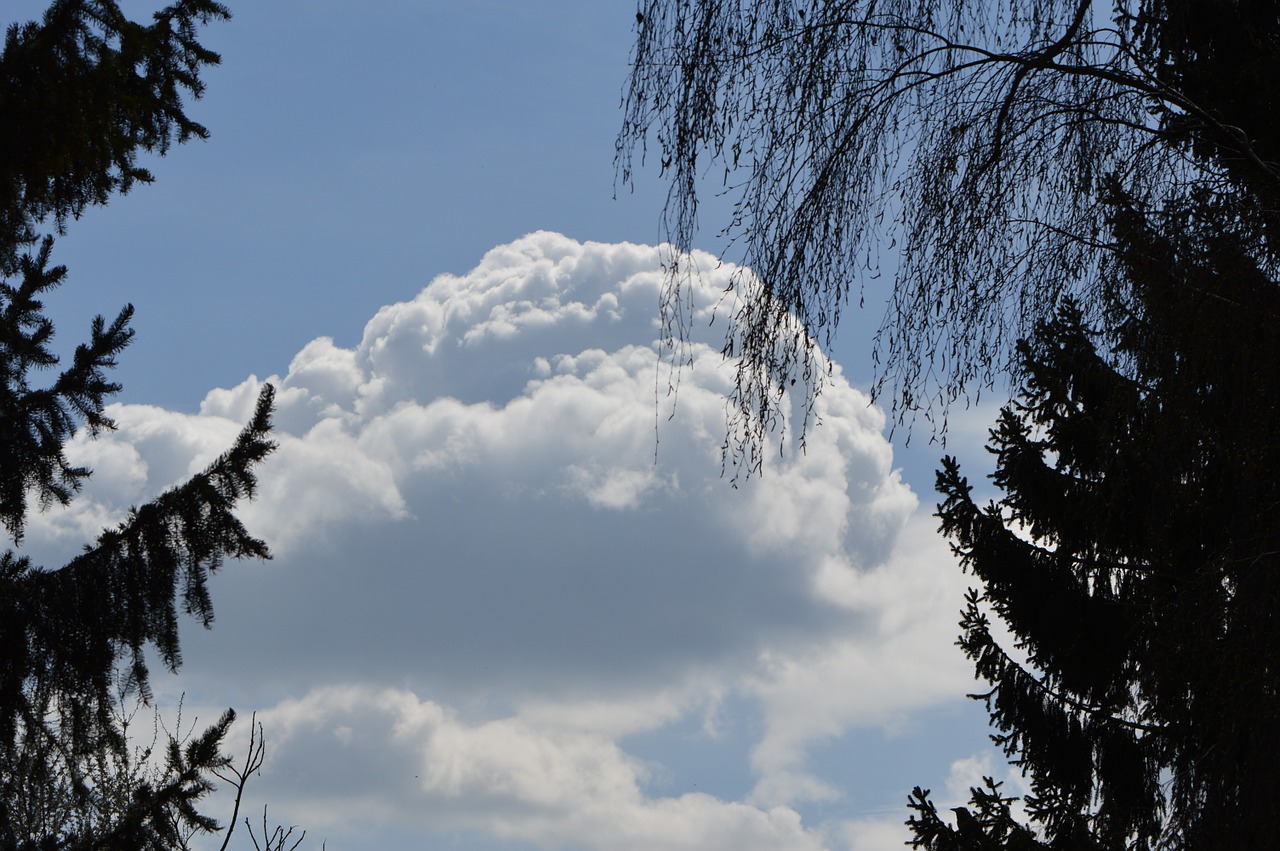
{"x":513,"y":603}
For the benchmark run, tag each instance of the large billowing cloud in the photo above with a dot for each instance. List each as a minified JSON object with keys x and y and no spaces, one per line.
{"x":501,"y":548}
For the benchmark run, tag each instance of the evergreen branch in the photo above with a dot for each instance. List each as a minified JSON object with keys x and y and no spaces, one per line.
{"x":39,"y":422}
{"x":978,"y":644}
{"x":89,"y":88}
{"x":121,"y":595}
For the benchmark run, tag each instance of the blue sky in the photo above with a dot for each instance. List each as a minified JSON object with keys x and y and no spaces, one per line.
{"x":494,"y":620}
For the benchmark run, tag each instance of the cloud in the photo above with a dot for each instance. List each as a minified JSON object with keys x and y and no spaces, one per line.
{"x":485,"y":492}
{"x":874,"y":834}
{"x":501,"y":548}
{"x":551,"y":785}
{"x":898,"y":662}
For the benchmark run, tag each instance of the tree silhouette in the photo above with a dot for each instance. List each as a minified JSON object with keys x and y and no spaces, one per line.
{"x":1082,"y":195}
{"x":1133,"y":556}
{"x":81,"y":94}
{"x":965,"y":145}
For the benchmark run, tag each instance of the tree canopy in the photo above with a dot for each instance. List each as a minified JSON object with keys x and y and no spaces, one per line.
{"x":961,"y":148}
{"x":1132,"y":557}
{"x":1082,"y":196}
{"x":82,"y":93}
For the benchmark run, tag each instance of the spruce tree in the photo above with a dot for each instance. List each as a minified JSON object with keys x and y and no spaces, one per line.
{"x":1134,"y":557}
{"x":83,"y":93}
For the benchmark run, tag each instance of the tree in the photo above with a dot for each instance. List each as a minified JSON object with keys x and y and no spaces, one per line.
{"x":1085,"y":197}
{"x":53,"y":808}
{"x":1133,"y":557}
{"x":966,"y":144}
{"x":82,"y":93}
{"x":118,"y":795}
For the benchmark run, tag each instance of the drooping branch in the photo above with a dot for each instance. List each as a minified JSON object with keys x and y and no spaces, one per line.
{"x":962,"y":149}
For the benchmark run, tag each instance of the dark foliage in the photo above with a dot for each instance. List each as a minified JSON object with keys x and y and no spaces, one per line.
{"x":1082,"y":195}
{"x":1133,"y":555}
{"x":81,"y":94}
{"x":63,"y":631}
{"x":37,"y":422}
{"x":965,"y":145}
{"x":111,"y":798}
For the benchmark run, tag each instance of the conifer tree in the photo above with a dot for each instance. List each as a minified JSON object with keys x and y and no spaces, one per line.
{"x":82,"y":93}
{"x":1134,"y":557}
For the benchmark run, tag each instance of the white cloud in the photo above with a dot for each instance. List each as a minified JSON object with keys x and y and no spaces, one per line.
{"x":550,"y":785}
{"x":486,"y":502}
{"x":897,"y":663}
{"x":878,"y":834}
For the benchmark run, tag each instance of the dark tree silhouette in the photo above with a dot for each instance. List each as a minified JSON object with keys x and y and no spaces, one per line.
{"x":81,"y":94}
{"x":1134,"y":557}
{"x":964,"y":144}
{"x":1083,"y":195}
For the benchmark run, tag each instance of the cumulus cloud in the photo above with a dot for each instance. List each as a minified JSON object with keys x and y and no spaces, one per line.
{"x":552,"y":785}
{"x":500,"y":547}
{"x":896,"y":663}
